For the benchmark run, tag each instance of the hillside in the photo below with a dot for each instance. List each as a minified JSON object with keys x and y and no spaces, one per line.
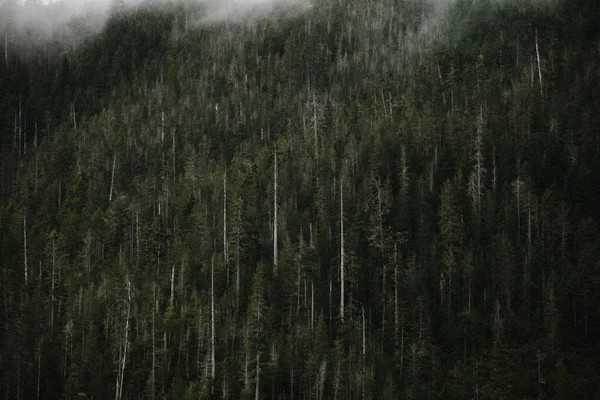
{"x":368,"y":199}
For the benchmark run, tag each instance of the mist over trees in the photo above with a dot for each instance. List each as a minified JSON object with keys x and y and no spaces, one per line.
{"x":368,"y":199}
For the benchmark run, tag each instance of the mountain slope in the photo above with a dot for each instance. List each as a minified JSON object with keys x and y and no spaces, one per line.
{"x":457,"y":143}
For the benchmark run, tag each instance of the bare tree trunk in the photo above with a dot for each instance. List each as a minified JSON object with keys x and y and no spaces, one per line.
{"x":494,"y":169}
{"x":479,"y":162}
{"x":364,"y":343}
{"x":275,"y":217}
{"x":112,"y":179}
{"x":123,"y":359}
{"x":74,"y":116}
{"x":539,"y":359}
{"x":174,"y":131}
{"x":441,"y":81}
{"x":15,"y":131}
{"x":330,"y":303}
{"x":36,"y":156}
{"x":153,"y":339}
{"x":312,"y":305}
{"x":25,"y":245}
{"x":237,"y":261}
{"x":117,"y":385}
{"x":225,"y":253}
{"x":396,"y":294}
{"x":315,"y":126}
{"x":52,"y":288}
{"x":212,"y":318}
{"x":341,"y":251}
{"x":172,"y":299}
{"x":246,"y":362}
{"x":126,"y":347}
{"x":402,"y":349}
{"x":20,"y":125}
{"x":537,"y":51}
{"x":257,"y":391}
{"x":39,"y":366}
{"x":518,"y":193}
{"x":529,"y":225}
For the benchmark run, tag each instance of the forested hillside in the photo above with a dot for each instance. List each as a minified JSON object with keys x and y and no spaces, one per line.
{"x":364,"y":199}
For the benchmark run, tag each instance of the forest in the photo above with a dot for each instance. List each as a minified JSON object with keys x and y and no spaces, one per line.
{"x":358,"y":199}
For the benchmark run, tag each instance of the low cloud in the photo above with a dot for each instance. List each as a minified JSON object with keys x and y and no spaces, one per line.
{"x":26,"y":22}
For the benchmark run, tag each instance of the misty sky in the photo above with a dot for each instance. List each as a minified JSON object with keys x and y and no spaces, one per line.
{"x":40,"y":19}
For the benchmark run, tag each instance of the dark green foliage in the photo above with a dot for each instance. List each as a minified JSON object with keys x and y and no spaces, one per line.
{"x":471,"y":193}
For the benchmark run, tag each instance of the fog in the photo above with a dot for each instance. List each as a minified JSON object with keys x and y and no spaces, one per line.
{"x":25,"y":22}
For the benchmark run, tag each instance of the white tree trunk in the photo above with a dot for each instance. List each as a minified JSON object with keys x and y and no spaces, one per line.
{"x":20,"y":125}
{"x":74,"y":115}
{"x":246,"y":365}
{"x":39,"y":366}
{"x":174,"y":154}
{"x":153,"y":339}
{"x":494,"y":180}
{"x":172,"y":299}
{"x":479,"y":160}
{"x":256,"y":390}
{"x":312,"y":305}
{"x":402,"y":349}
{"x":52,"y":288}
{"x":212,"y":318}
{"x":112,"y":179}
{"x":225,"y":254}
{"x":237,"y":261}
{"x":25,"y":245}
{"x":396,"y":294}
{"x":341,"y":251}
{"x":275,"y":217}
{"x":315,"y":126}
{"x":123,"y":358}
{"x":364,"y":343}
{"x":537,"y":51}
{"x":529,"y":226}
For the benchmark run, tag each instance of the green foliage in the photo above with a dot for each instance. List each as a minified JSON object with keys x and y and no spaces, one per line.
{"x":470,"y":204}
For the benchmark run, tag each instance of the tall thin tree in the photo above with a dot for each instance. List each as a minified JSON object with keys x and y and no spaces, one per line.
{"x":275,"y":255}
{"x":341,"y":251}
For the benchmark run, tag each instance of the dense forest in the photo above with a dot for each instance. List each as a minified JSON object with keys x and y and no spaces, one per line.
{"x":360,"y":199}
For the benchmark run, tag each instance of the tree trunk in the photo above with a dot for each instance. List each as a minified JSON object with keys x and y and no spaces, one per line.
{"x":237,"y":261}
{"x":20,"y":126}
{"x":39,"y":366}
{"x":174,"y":154}
{"x":153,"y":339}
{"x":25,"y":245}
{"x":112,"y":179}
{"x":52,"y":288}
{"x":341,"y":251}
{"x":275,"y":216}
{"x":537,"y":51}
{"x":225,"y":255}
{"x":364,"y":343}
{"x":312,"y":305}
{"x":212,"y":318}
{"x":402,"y":349}
{"x":257,"y":391}
{"x":172,"y":298}
{"x":123,"y":357}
